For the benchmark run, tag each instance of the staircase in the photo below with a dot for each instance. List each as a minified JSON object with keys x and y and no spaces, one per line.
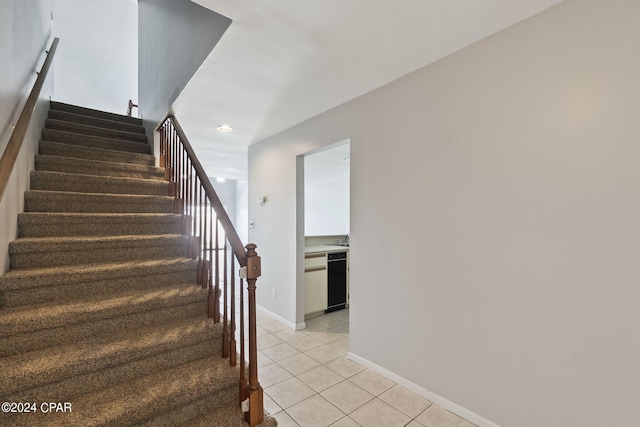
{"x":100,"y":308}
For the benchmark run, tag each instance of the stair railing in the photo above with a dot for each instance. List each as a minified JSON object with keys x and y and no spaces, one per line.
{"x":12,"y":149}
{"x":215,"y":242}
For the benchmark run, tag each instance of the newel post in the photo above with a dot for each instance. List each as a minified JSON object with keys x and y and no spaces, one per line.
{"x":254,"y":390}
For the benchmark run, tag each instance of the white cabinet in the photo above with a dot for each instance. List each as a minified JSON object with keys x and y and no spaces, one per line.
{"x":315,"y":283}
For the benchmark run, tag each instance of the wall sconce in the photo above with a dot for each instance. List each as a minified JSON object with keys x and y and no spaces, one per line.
{"x":262,"y":200}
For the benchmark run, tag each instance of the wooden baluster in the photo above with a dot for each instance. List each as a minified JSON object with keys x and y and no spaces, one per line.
{"x":213,"y":274}
{"x":216,"y":286}
{"x":242,"y":391}
{"x":186,"y":218}
{"x":194,"y":216}
{"x":232,"y":326}
{"x":254,"y":389}
{"x":183,"y":181}
{"x":225,"y":318}
{"x":172,"y":157}
{"x":162,"y":150}
{"x":197,"y":231}
{"x":206,"y":242}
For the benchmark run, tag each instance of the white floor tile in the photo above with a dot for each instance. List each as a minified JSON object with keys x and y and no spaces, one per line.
{"x":305,"y":343}
{"x":345,"y":422}
{"x":372,"y":382}
{"x":287,"y":335}
{"x":345,"y":367}
{"x":298,"y":364}
{"x":274,"y":326}
{"x":325,"y":353}
{"x":347,"y":396}
{"x":268,"y":340}
{"x":273,"y":374}
{"x":280,"y":352}
{"x":269,"y":405}
{"x":315,"y":412}
{"x":284,"y":420}
{"x":289,"y":392}
{"x":320,"y":378}
{"x":435,"y":416}
{"x":378,"y":414}
{"x":405,"y":401}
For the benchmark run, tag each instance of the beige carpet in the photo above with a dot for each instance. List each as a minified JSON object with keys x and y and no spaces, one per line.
{"x":100,"y":313}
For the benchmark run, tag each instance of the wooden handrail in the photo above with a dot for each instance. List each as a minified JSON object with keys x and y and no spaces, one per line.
{"x":203,"y":217}
{"x":12,"y":149}
{"x":234,"y":239}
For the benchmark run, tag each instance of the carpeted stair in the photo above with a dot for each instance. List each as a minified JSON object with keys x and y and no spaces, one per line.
{"x":100,"y":306}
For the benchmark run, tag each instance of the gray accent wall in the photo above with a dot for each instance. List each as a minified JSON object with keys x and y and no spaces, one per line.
{"x":495,"y":245}
{"x":175,"y":37}
{"x":25,"y":30}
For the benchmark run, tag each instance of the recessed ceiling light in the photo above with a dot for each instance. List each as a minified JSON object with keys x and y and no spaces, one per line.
{"x":224,"y":128}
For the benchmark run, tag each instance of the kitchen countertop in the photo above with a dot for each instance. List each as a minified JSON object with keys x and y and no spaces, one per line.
{"x":325,"y":248}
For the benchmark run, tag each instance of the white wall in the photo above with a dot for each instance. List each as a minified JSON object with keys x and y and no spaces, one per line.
{"x":25,"y":30}
{"x":326,"y":192}
{"x":499,"y":267}
{"x":97,"y":66}
{"x":242,"y":210}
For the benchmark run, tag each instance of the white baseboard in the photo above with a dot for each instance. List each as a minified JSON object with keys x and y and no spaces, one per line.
{"x":421,"y":391}
{"x":295,"y":327}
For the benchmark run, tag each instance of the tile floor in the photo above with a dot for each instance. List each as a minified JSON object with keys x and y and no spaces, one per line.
{"x":309,"y":382}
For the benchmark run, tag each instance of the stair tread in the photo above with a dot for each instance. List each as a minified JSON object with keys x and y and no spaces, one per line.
{"x":148,"y":197}
{"x":57,"y":363}
{"x":85,"y":111}
{"x":22,"y":278}
{"x":94,"y":141}
{"x":72,"y":161}
{"x":103,"y":123}
{"x":72,"y":201}
{"x":107,"y":241}
{"x":18,"y":320}
{"x":138,"y":400}
{"x":115,"y":179}
{"x":101,"y":215}
{"x":86,"y":129}
{"x":46,"y":147}
{"x":62,"y":181}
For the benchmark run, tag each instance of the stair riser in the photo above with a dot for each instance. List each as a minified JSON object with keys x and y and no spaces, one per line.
{"x":85,"y":329}
{"x":94,"y":203}
{"x":88,"y":255}
{"x":95,"y":168}
{"x":110,"y":367}
{"x":68,"y":227}
{"x":94,"y":113}
{"x":92,"y":121}
{"x":81,"y":129}
{"x":49,"y":181}
{"x":52,"y":135}
{"x":51,"y":292}
{"x":79,"y":152}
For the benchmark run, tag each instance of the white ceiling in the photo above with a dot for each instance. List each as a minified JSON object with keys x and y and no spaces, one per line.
{"x":282,"y":62}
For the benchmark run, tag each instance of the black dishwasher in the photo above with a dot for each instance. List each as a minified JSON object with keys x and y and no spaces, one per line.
{"x":336,"y":281}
